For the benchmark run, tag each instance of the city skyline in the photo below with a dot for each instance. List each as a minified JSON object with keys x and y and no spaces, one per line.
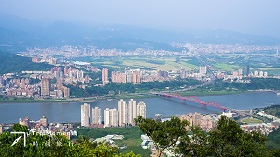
{"x":112,"y":117}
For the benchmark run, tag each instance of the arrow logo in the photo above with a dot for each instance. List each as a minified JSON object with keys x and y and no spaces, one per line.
{"x":16,"y":141}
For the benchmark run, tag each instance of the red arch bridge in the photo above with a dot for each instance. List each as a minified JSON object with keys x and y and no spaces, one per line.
{"x":193,"y":99}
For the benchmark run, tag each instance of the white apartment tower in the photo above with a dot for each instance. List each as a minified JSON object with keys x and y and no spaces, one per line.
{"x":202,"y":70}
{"x":141,"y":109}
{"x":96,"y":115}
{"x":106,"y":118}
{"x":122,"y":109}
{"x":110,"y":117}
{"x":114,"y":117}
{"x":132,"y":111}
{"x":85,"y":115}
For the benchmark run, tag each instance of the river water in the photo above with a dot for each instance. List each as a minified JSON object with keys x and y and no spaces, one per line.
{"x":70,"y":111}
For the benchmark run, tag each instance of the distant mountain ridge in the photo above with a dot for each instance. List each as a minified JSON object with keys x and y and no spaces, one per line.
{"x":18,"y":33}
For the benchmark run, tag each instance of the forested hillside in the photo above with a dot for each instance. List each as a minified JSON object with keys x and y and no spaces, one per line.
{"x":15,"y":63}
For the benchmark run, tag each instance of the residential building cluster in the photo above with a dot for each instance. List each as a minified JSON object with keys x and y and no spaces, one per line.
{"x":137,"y":76}
{"x":196,"y":119}
{"x":43,"y":127}
{"x":239,"y":75}
{"x":194,"y":74}
{"x":67,"y":51}
{"x":51,"y":83}
{"x":226,"y":48}
{"x":19,"y":87}
{"x":123,"y":116}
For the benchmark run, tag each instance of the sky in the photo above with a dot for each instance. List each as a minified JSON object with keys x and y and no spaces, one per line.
{"x":260,"y":17}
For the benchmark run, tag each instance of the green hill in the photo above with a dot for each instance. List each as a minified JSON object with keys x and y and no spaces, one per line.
{"x":15,"y":63}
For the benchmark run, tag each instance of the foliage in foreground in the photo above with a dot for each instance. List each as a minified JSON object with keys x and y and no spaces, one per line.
{"x":58,"y":145}
{"x":131,"y":141}
{"x":227,"y":139}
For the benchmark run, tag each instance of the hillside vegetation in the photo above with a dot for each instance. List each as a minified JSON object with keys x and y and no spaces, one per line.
{"x":15,"y":63}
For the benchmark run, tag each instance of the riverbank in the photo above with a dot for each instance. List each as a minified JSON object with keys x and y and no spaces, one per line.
{"x":123,"y":96}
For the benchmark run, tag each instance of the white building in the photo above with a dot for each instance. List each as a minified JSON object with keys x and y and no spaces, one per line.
{"x":202,"y":70}
{"x":123,"y":110}
{"x":110,"y":117}
{"x":85,"y":114}
{"x":132,"y":111}
{"x":141,"y":109}
{"x":96,"y":115}
{"x":261,"y":74}
{"x":256,"y":73}
{"x":265,"y":74}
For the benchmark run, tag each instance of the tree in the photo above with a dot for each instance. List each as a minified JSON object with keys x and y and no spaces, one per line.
{"x":57,"y":145}
{"x":227,"y":139}
{"x":165,"y":135}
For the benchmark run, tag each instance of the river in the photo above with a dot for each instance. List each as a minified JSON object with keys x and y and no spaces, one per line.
{"x":70,"y":111}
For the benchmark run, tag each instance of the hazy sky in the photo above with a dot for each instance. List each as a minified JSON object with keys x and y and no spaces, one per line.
{"x":247,"y":16}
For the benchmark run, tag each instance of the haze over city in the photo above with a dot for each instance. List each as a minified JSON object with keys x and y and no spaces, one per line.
{"x":250,"y":16}
{"x":139,"y":78}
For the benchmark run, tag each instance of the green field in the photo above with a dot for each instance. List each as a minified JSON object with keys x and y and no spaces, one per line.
{"x":156,"y":63}
{"x":251,"y":120}
{"x":132,"y":139}
{"x":226,"y":67}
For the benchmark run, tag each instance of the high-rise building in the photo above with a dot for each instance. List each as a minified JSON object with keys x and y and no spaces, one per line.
{"x":240,"y":73}
{"x":163,"y":73}
{"x":44,"y":121}
{"x":1,"y":129}
{"x":265,"y":74}
{"x":256,"y":73}
{"x":105,"y":76}
{"x":106,"y":117}
{"x":202,"y":70}
{"x":66,"y":92}
{"x":59,"y":83}
{"x":136,"y":77}
{"x":122,"y":109}
{"x":183,"y":73}
{"x":80,"y":74}
{"x":110,"y":117}
{"x":87,"y":79}
{"x":118,"y":77}
{"x":85,"y":114}
{"x":45,"y":87}
{"x":141,"y":109}
{"x":132,"y":112}
{"x":247,"y":70}
{"x":114,"y":117}
{"x":96,"y":115}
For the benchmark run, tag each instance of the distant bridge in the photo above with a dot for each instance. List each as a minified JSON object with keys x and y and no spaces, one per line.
{"x":192,"y":99}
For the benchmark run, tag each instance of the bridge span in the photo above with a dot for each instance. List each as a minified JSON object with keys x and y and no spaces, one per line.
{"x":192,"y":99}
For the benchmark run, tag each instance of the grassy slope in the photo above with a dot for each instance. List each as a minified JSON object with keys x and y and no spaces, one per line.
{"x":131,"y":138}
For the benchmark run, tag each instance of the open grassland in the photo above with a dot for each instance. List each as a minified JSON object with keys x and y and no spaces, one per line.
{"x":226,"y":67}
{"x":132,"y":138}
{"x":251,"y":120}
{"x":157,"y":63}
